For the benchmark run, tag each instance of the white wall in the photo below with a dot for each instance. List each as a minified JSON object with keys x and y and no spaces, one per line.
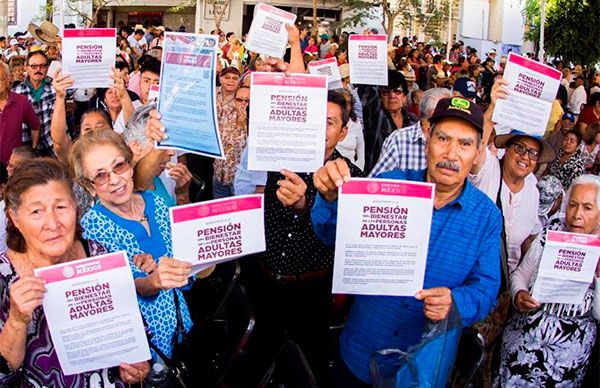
{"x":474,"y":19}
{"x":513,"y":26}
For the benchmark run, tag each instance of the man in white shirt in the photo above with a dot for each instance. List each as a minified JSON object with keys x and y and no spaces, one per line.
{"x":579,"y":96}
{"x":137,"y":43}
{"x":14,"y":50}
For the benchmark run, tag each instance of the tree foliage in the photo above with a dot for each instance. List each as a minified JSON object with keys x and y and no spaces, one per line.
{"x":572,"y":31}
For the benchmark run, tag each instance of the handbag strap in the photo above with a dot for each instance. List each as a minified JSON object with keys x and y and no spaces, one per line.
{"x":503,"y":249}
{"x":180,"y":328}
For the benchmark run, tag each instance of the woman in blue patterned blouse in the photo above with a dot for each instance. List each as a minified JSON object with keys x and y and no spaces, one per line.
{"x":137,"y":222}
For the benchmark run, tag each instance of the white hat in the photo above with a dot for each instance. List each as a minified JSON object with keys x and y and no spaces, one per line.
{"x":13,"y":41}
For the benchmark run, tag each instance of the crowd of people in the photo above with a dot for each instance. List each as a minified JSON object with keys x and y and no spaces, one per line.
{"x":81,"y":177}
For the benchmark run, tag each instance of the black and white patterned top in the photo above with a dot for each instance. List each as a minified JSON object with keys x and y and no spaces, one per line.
{"x":292,"y":247}
{"x":569,"y":170}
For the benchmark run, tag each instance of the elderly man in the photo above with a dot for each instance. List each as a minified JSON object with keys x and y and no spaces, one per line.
{"x":15,"y":112}
{"x":290,"y":283}
{"x":404,"y":149}
{"x":383,"y":113}
{"x":37,"y":87}
{"x":463,"y":264}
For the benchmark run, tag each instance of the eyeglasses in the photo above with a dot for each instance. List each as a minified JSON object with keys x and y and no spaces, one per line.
{"x":243,"y":100}
{"x":103,"y":176}
{"x":522,"y":150}
{"x":38,"y":66}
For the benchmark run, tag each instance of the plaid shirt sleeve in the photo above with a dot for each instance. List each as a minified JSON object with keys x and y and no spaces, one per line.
{"x":389,"y":158}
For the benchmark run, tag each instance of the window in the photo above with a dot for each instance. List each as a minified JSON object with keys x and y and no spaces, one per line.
{"x":12,"y":12}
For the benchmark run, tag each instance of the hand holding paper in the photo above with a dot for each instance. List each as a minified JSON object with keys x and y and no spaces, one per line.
{"x":61,"y":82}
{"x":171,"y":273}
{"x":330,"y":177}
{"x":26,"y":295}
{"x":524,"y":302}
{"x":155,"y":130}
{"x":145,"y":262}
{"x":436,"y":302}
{"x":292,"y":190}
{"x":134,"y":373}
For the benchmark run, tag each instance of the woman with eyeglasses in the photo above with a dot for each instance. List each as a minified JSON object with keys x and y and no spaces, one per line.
{"x":137,"y":222}
{"x":569,"y":163}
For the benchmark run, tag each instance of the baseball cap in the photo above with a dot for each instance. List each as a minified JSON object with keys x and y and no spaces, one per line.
{"x":569,"y":116}
{"x":466,"y":87}
{"x":13,"y":42}
{"x":324,"y":36}
{"x":550,"y":189}
{"x":460,"y":108}
{"x":492,"y":51}
{"x":396,"y":81}
{"x":228,"y":70}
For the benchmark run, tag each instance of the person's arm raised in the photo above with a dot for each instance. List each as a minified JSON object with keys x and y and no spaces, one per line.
{"x":296,"y":59}
{"x":58,"y":125}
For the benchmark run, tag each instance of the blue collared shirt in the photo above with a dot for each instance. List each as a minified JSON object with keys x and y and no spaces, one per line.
{"x":464,"y":255}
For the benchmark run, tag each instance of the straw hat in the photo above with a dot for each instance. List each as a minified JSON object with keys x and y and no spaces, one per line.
{"x":46,"y":32}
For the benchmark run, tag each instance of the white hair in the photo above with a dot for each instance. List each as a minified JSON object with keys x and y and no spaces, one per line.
{"x":586,"y":179}
{"x":135,"y":130}
{"x":430,"y":100}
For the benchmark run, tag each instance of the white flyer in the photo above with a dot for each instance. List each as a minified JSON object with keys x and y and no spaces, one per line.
{"x":382,"y":237}
{"x":268,"y":34}
{"x":533,"y":87}
{"x":567,"y":267}
{"x":287,"y":126}
{"x":368,"y":59}
{"x":92,"y":312}
{"x":328,"y":67}
{"x":89,"y":55}
{"x":214,"y":232}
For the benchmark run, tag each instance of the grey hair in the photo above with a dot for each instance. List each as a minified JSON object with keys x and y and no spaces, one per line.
{"x":135,"y":130}
{"x":586,"y":179}
{"x":430,"y":99}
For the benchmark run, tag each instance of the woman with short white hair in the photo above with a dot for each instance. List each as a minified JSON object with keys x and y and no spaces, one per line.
{"x":546,"y":344}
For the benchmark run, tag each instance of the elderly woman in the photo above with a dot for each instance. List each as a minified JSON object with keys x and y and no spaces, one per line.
{"x":548,"y":344}
{"x":569,"y":163}
{"x":136,"y":222}
{"x":42,"y":231}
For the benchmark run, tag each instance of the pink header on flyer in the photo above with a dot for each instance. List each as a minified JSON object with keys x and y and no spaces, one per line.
{"x":535,"y":66}
{"x":368,"y":37}
{"x":322,"y":62}
{"x":215,"y":208}
{"x":277,"y":11}
{"x":83,"y":267}
{"x":89,"y":33}
{"x":307,"y":81}
{"x":574,"y":238}
{"x":379,"y":187}
{"x":189,"y":59}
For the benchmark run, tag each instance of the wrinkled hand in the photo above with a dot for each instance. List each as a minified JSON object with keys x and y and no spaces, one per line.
{"x":26,"y":295}
{"x":155,"y":130}
{"x":180,"y":174}
{"x":277,"y":65}
{"x":499,"y":91}
{"x":118,"y":83}
{"x":171,"y":273}
{"x":330,"y":177}
{"x":134,"y":373}
{"x":524,"y":302}
{"x":61,"y":82}
{"x":437,"y":302}
{"x":292,"y":190}
{"x":293,"y":33}
{"x":145,"y":262}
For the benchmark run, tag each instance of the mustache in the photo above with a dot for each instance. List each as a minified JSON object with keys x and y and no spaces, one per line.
{"x":38,"y":73}
{"x":449,"y":165}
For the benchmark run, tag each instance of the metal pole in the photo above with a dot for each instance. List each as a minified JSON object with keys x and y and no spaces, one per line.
{"x":542,"y":53}
{"x":198,"y":16}
{"x":315,"y":19}
{"x":448,"y":45}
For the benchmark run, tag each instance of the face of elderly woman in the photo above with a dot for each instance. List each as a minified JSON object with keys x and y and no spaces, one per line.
{"x":582,"y":214}
{"x":47,"y":219}
{"x":110,"y":175}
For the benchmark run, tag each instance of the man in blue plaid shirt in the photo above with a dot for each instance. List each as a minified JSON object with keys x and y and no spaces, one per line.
{"x":404,"y":149}
{"x":40,"y":93}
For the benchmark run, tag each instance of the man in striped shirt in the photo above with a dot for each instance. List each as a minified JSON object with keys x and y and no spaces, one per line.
{"x":404,"y":149}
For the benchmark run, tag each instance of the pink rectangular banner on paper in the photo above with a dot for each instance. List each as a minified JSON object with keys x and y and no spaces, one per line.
{"x":90,"y":33}
{"x":574,"y":238}
{"x":396,"y":188}
{"x":295,"y":80}
{"x":207,"y":209}
{"x":83,"y":267}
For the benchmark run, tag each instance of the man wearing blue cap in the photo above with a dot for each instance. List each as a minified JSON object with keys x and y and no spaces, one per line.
{"x":463,"y":260}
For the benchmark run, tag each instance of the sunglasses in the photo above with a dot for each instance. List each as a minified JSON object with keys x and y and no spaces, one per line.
{"x":40,"y":66}
{"x":522,"y":150}
{"x":244,"y":100}
{"x":103,"y":176}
